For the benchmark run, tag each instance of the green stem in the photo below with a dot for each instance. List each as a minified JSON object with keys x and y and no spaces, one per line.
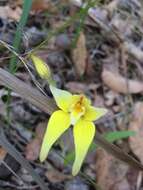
{"x":16,"y":44}
{"x":18,"y":36}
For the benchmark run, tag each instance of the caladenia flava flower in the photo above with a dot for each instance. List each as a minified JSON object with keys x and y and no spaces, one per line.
{"x":42,"y":69}
{"x":75,"y":110}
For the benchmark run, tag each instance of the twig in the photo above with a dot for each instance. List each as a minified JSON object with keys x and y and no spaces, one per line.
{"x":27,"y":92}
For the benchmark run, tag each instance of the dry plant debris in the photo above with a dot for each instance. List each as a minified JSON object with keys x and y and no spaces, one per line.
{"x":111,"y":174}
{"x":136,"y":142}
{"x":120,"y":84}
{"x":79,"y":55}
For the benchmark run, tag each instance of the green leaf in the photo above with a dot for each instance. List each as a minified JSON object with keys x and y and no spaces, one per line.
{"x":69,"y":158}
{"x":117,"y":135}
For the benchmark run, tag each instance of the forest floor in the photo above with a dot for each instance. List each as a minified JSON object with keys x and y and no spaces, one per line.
{"x":99,"y":53}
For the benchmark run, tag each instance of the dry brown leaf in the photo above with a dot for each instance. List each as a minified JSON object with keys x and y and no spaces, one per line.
{"x":120,"y":84}
{"x":42,"y":5}
{"x":55,"y":176}
{"x":40,"y":129}
{"x":18,"y":2}
{"x":33,"y":148}
{"x":8,"y":13}
{"x":110,"y":171}
{"x":3,"y":153}
{"x":76,"y":87}
{"x":136,"y":141}
{"x":79,"y":55}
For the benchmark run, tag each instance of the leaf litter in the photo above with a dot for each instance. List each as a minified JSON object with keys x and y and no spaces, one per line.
{"x":94,"y":67}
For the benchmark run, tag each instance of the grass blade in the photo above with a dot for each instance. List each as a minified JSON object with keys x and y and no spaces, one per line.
{"x":18,"y":36}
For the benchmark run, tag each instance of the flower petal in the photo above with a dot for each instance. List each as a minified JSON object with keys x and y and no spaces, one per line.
{"x":94,"y":113}
{"x":58,"y":123}
{"x":74,"y":117}
{"x":62,"y":98}
{"x":84,"y":132}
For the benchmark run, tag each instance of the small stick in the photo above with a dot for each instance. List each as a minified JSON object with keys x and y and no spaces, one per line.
{"x":27,"y":92}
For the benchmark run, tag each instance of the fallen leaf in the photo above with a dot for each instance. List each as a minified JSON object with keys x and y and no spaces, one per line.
{"x":136,"y":141}
{"x":8,"y":13}
{"x":111,"y":173}
{"x":79,"y":55}
{"x":55,"y":176}
{"x":78,"y":87}
{"x":120,"y":84}
{"x":40,"y":5}
{"x":110,"y":98}
{"x":40,"y":129}
{"x":3,"y":153}
{"x":98,"y":13}
{"x":43,"y":5}
{"x":18,"y":2}
{"x":33,"y":148}
{"x":76,"y":2}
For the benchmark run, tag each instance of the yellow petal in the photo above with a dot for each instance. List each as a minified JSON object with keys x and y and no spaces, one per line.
{"x":84,"y":132}
{"x":62,"y":98}
{"x":58,"y":123}
{"x":74,"y":117}
{"x":41,"y":67}
{"x":93,"y":113}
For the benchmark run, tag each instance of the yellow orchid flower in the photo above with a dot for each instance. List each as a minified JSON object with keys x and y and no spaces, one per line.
{"x":73,"y":110}
{"x":42,"y":69}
